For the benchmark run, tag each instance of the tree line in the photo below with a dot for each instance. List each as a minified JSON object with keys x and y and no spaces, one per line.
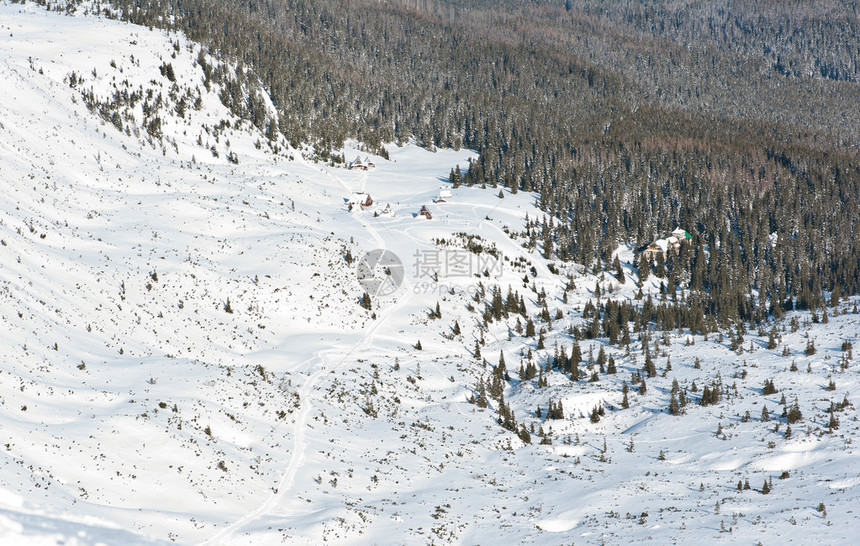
{"x":734,"y":119}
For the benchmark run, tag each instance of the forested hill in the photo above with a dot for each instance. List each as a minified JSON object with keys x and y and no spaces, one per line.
{"x":735,"y":119}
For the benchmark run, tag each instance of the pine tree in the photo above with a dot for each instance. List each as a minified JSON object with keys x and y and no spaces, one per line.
{"x":650,"y":368}
{"x":524,"y":435}
{"x":644,"y":270}
{"x":706,"y":396}
{"x":833,"y":424}
{"x":610,"y":368}
{"x":771,"y":339}
{"x":575,"y":355}
{"x":619,"y":271}
{"x":661,"y":267}
{"x":794,"y":414}
{"x":555,"y":410}
{"x":674,"y":408}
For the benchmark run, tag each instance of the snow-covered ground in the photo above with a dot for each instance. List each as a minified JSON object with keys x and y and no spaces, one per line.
{"x":185,"y":357}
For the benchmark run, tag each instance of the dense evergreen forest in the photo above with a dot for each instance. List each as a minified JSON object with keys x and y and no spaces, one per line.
{"x":735,"y":119}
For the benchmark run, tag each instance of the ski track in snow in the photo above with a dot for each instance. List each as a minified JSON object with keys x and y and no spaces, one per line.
{"x":297,"y":458}
{"x":285,"y":484}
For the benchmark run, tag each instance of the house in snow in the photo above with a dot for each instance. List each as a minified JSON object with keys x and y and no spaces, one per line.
{"x":361,"y":199}
{"x":357,"y":163}
{"x":362,"y":164}
{"x":425,"y":213}
{"x":444,"y":195}
{"x":657,"y":248}
{"x":663,"y":245}
{"x":682,"y":235}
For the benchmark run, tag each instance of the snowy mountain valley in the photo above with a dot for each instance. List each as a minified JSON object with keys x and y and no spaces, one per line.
{"x":203,"y":342}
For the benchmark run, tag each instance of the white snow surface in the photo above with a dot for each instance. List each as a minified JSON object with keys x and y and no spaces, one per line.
{"x":135,"y":409}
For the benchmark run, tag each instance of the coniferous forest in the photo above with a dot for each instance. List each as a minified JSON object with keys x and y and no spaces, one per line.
{"x":735,"y":119}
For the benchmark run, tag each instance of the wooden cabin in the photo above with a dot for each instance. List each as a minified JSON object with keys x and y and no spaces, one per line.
{"x":357,"y":163}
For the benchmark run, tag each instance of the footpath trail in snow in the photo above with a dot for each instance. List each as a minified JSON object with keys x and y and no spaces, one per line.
{"x":327,"y":361}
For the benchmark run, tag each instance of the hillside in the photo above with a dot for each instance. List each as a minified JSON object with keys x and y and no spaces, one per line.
{"x":619,"y":116}
{"x":186,"y":357}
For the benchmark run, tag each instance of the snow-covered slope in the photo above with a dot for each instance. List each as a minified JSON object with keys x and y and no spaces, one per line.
{"x":185,"y":357}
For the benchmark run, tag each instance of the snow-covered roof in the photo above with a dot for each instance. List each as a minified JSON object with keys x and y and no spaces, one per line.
{"x":681,"y":233}
{"x":359,"y":198}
